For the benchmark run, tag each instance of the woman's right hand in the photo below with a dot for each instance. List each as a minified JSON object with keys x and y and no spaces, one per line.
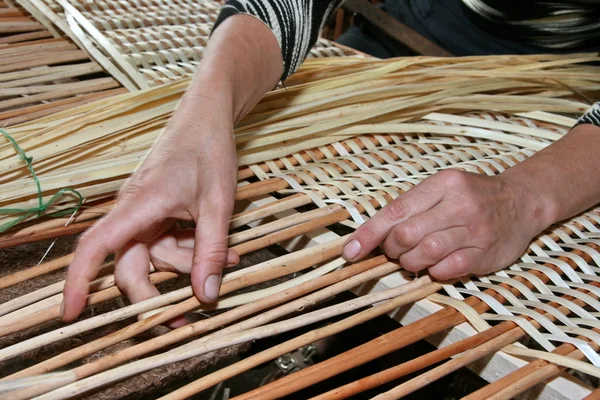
{"x":190,"y":174}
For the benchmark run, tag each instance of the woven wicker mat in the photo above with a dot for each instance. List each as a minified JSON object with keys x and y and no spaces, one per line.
{"x":146,"y":42}
{"x":41,"y":75}
{"x":560,"y":269}
{"x":551,"y":293}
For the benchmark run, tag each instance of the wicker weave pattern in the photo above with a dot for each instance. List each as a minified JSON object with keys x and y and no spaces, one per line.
{"x":162,"y":40}
{"x":41,"y":75}
{"x":406,"y":162}
{"x":570,"y":281}
{"x":352,"y":156}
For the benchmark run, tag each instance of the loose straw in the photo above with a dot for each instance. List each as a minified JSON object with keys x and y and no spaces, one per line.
{"x":96,"y":146}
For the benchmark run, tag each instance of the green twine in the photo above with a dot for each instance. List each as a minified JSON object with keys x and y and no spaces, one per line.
{"x":41,"y":207}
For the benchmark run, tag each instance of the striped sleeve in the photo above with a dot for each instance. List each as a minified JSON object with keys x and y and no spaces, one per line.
{"x":295,"y":23}
{"x":591,"y":117}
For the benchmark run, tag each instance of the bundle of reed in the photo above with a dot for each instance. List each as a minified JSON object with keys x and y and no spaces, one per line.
{"x":41,"y":74}
{"x":95,"y":147}
{"x":554,"y":287}
{"x":147,"y":43}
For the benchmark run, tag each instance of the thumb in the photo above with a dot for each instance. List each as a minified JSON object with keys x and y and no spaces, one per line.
{"x":211,"y":253}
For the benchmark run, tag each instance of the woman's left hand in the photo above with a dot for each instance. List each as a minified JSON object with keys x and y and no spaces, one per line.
{"x":454,"y":223}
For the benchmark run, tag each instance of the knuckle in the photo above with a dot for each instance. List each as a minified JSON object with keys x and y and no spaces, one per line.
{"x":453,"y":178}
{"x":216,"y":255}
{"x":133,"y":189}
{"x":398,"y":209}
{"x":367,"y":233}
{"x":85,"y":239}
{"x":474,"y":206}
{"x":139,"y":196}
{"x":390,"y":250}
{"x":434,"y":246}
{"x":403,"y":234}
{"x":220,"y":198}
{"x":92,"y":240}
{"x":408,"y":264}
{"x":460,"y":264}
{"x":486,"y":234}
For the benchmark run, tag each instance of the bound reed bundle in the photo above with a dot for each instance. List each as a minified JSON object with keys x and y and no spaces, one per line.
{"x":95,"y":147}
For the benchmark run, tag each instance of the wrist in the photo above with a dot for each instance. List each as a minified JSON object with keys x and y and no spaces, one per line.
{"x":242,"y":62}
{"x":203,"y":112}
{"x":212,"y":88}
{"x":536,"y":206}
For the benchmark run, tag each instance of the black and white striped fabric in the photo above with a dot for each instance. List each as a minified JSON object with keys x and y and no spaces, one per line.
{"x":551,"y":23}
{"x":295,"y":23}
{"x":592,"y":116}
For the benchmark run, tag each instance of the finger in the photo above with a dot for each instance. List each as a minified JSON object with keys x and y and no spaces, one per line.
{"x":372,"y":233}
{"x":132,"y":265}
{"x":460,"y":263}
{"x":210,"y":250}
{"x":435,"y":247}
{"x":233,"y":258}
{"x":408,"y":234}
{"x":104,"y":238}
{"x":186,"y":238}
{"x":167,"y":255}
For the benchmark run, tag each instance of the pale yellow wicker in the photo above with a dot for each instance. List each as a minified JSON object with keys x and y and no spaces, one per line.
{"x":40,"y":75}
{"x":345,"y":138}
{"x":145,"y":43}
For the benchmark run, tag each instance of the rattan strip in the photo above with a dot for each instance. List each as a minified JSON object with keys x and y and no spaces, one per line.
{"x":315,"y":374}
{"x":97,"y":141}
{"x":366,"y":172}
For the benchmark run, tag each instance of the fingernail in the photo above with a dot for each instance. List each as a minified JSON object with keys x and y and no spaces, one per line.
{"x":351,"y":250}
{"x":61,"y":311}
{"x":212,"y":286}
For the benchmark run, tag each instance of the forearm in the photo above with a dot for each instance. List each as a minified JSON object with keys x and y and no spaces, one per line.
{"x":295,"y":23}
{"x":561,"y":180}
{"x":242,"y":62}
{"x":254,"y":45}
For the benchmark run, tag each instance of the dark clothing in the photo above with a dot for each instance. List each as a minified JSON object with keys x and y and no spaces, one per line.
{"x":454,"y":27}
{"x":463,"y":27}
